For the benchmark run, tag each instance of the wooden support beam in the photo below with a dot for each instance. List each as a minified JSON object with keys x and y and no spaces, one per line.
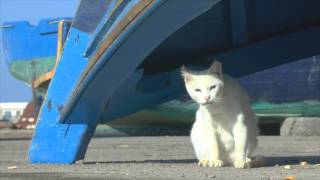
{"x":242,"y":21}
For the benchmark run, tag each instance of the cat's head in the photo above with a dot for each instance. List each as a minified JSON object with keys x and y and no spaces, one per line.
{"x":205,"y":87}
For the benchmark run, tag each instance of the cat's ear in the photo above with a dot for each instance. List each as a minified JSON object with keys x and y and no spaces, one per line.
{"x":216,"y":68}
{"x":185,"y":74}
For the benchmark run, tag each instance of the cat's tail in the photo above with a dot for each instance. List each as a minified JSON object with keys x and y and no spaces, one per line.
{"x":258,"y":161}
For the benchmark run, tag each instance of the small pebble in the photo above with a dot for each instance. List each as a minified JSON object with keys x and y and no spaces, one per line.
{"x":12,"y":167}
{"x":265,"y":178}
{"x":79,"y":161}
{"x":287,"y":167}
{"x":212,"y":176}
{"x":123,"y":146}
{"x":303,"y":163}
{"x":289,"y":178}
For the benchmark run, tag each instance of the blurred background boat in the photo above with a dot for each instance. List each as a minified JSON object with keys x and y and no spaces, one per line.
{"x":30,"y":52}
{"x":31,"y":56}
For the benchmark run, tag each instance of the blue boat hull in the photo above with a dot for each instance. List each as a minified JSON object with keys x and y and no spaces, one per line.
{"x":120,"y":63}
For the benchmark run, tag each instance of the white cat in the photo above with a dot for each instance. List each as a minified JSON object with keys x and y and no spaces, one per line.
{"x":225,"y":130}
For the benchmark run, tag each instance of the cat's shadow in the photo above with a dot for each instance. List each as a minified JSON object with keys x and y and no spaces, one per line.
{"x":269,"y":161}
{"x":290,"y":160}
{"x":161,"y":161}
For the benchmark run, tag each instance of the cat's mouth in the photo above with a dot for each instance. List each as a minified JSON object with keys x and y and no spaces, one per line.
{"x":206,"y":103}
{"x":214,"y":101}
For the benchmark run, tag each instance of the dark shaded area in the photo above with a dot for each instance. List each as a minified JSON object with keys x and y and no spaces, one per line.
{"x":15,"y":139}
{"x":293,"y":82}
{"x":291,"y":160}
{"x":214,"y":33}
{"x":269,"y":161}
{"x":272,"y":129}
{"x":151,"y":130}
{"x":205,"y":35}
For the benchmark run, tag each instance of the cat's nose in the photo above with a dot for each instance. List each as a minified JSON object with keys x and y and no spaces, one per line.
{"x":206,"y":98}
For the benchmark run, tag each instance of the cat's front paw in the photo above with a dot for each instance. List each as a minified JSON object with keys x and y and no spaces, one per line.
{"x":210,"y":163}
{"x":216,"y":163}
{"x":248,"y":160}
{"x":203,"y":163}
{"x":241,"y":164}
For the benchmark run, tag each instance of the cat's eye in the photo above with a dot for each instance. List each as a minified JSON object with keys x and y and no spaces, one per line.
{"x":197,"y":90}
{"x":212,"y":87}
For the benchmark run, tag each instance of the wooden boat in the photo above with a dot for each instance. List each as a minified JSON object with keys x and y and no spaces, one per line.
{"x":269,"y":90}
{"x":31,"y":53}
{"x":122,"y":56}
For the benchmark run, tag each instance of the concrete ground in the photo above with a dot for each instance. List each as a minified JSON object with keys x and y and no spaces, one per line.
{"x":161,"y":157}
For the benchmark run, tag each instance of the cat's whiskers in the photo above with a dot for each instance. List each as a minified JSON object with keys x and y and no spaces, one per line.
{"x":217,"y":100}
